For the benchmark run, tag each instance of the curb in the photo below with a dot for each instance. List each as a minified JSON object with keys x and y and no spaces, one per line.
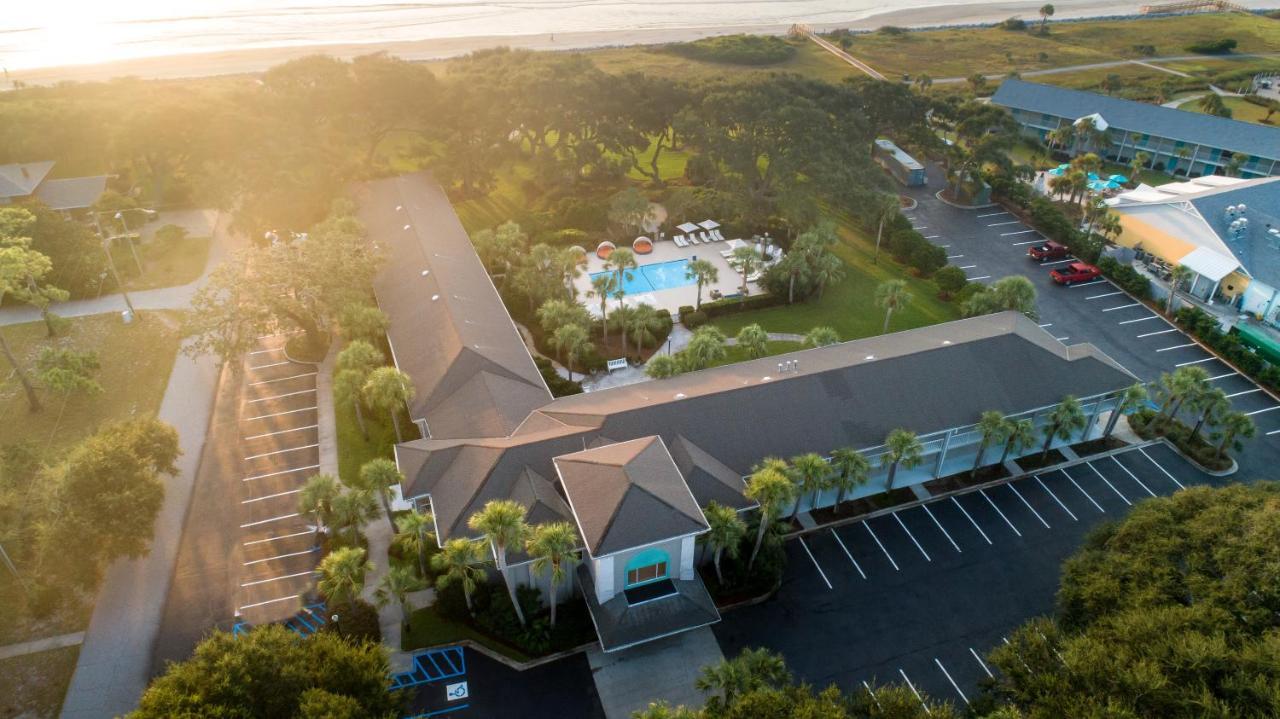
{"x":504,"y":659}
{"x":1235,"y":466}
{"x":914,"y":204}
{"x":959,"y":206}
{"x":285,"y":349}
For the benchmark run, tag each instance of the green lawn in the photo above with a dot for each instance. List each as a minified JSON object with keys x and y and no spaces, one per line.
{"x":427,"y":628}
{"x":136,"y":360}
{"x":33,"y":686}
{"x":164,"y":264}
{"x":1240,"y":110}
{"x":962,"y":51}
{"x":354,"y":449}
{"x":507,"y":201}
{"x":735,"y":354}
{"x":850,"y":306}
{"x":809,"y":60}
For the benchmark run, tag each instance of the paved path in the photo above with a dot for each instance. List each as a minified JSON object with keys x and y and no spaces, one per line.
{"x":41,"y":645}
{"x":665,"y":669}
{"x":1111,"y":63}
{"x":850,"y":59}
{"x":115,"y":661}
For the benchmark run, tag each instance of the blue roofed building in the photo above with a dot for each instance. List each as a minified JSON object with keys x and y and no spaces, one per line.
{"x":1179,"y":142}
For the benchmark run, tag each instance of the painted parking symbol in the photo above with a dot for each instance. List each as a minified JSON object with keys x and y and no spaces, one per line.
{"x":457,"y":691}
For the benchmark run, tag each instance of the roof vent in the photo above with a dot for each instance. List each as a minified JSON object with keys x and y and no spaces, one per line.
{"x":399,"y":207}
{"x":765,"y":378}
{"x":680,"y":395}
{"x":946,"y":342}
{"x":869,"y":357}
{"x":426,"y":272}
{"x":435,"y":297}
{"x":407,"y":226}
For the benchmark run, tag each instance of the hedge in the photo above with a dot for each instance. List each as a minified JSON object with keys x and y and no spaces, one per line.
{"x":1198,"y":449}
{"x":1205,"y":327}
{"x":1213,"y":47}
{"x":1129,"y":279}
{"x":559,"y":386}
{"x":734,"y":305}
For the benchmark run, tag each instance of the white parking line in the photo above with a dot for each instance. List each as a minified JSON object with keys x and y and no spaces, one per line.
{"x":921,"y":227}
{"x":1006,"y":519}
{"x":1105,"y":294}
{"x":1140,"y":319}
{"x":265,"y":497}
{"x":954,"y":257}
{"x":282,"y":379}
{"x":1223,"y":376}
{"x":283,"y":471}
{"x":1019,"y":232}
{"x":273,"y":364}
{"x":933,"y":237}
{"x":1131,"y":474}
{"x":993,"y":214}
{"x":913,"y":537}
{"x":1248,"y":391}
{"x":1274,"y":431}
{"x":815,"y":563}
{"x":1047,"y":324}
{"x":848,"y":554}
{"x":277,"y":414}
{"x":270,"y":601}
{"x":1199,"y":361}
{"x":1086,"y":494}
{"x":970,"y":518}
{"x":1060,"y":339}
{"x":1162,"y":469}
{"x":1020,"y":244}
{"x":1177,"y":347}
{"x":867,"y":686}
{"x":276,"y":579}
{"x":1002,"y":224}
{"x":968,"y":267}
{"x":953,"y":682}
{"x":1045,"y":487}
{"x":268,"y":521}
{"x":1260,"y":411}
{"x":912,"y":687}
{"x":276,"y":539}
{"x":272,"y":349}
{"x":1157,"y":332}
{"x":1089,"y":284}
{"x":979,"y":277}
{"x":282,"y":556}
{"x":1123,"y":307}
{"x":1057,"y":262}
{"x":1033,"y":509}
{"x":280,"y":396}
{"x":981,"y":663}
{"x":283,"y":431}
{"x":282,"y":451}
{"x":925,"y":507}
{"x":1109,"y":484}
{"x":881,"y":546}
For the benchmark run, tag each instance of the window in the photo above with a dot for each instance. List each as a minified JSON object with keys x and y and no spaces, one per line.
{"x":640,"y":575}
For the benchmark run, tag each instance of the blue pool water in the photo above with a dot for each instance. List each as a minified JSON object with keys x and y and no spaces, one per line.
{"x":657,"y":276}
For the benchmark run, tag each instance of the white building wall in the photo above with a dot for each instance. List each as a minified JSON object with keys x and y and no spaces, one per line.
{"x":602,"y":573}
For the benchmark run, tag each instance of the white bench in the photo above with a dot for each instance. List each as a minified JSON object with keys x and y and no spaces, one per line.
{"x":613,"y":364}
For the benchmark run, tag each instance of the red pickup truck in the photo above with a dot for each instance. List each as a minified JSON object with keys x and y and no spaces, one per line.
{"x":1075,"y":272}
{"x":1050,"y":250}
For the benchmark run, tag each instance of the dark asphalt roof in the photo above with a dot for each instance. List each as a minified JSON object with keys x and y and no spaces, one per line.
{"x":1192,"y":127}
{"x":846,"y":395}
{"x":1256,"y":248}
{"x":449,"y":331}
{"x":628,"y":494}
{"x":621,"y":625}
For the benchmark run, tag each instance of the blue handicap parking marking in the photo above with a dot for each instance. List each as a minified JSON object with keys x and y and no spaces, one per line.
{"x":443,"y":667}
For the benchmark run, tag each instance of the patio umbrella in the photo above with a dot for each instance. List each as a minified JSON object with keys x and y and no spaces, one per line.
{"x":1060,"y":169}
{"x":687,"y":227}
{"x":1093,"y":177}
{"x":709,"y":224}
{"x":1118,"y":179}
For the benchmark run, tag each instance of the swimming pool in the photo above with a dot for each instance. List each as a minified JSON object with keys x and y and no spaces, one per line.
{"x":657,"y":276}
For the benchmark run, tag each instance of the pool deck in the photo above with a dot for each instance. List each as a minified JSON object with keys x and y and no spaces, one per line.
{"x":670,"y":299}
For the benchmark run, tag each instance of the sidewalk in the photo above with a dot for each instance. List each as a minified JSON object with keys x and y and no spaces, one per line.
{"x":41,"y":645}
{"x":115,"y":661}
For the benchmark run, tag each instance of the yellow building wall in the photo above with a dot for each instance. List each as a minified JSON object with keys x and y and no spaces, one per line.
{"x":1138,"y":234}
{"x":1233,"y":284}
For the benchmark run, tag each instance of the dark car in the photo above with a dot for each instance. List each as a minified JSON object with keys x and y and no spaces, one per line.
{"x":1048,"y":251}
{"x":1075,"y":272}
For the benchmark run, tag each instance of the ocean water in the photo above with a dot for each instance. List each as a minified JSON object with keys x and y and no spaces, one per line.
{"x":50,"y":33}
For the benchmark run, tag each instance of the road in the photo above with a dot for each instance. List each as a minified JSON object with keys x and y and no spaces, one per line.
{"x":1145,"y":62}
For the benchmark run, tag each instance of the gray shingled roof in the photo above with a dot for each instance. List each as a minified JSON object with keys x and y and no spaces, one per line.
{"x":74,"y":193}
{"x":1193,"y":127}
{"x":928,"y":379}
{"x":449,"y":330}
{"x":628,"y":494}
{"x":1255,"y":250}
{"x":20,"y":179}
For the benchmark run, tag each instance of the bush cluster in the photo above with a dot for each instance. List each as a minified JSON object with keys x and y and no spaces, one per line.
{"x":734,"y":305}
{"x":738,"y":49}
{"x":1213,"y":47}
{"x":1015,"y":24}
{"x":741,"y":582}
{"x":559,"y":386}
{"x":911,"y":248}
{"x":1205,"y":454}
{"x":495,"y":617}
{"x":1129,"y":279}
{"x":1205,"y":327}
{"x":357,"y":622}
{"x":1046,"y":217}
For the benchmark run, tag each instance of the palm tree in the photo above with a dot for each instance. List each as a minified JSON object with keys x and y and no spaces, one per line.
{"x":883,"y":209}
{"x":663,"y":710}
{"x":1237,"y":161}
{"x":1210,"y":405}
{"x":891,"y":295}
{"x":751,"y":670}
{"x":1133,"y":395}
{"x":1212,"y":104}
{"x":556,"y":313}
{"x":810,"y":472}
{"x":727,"y":531}
{"x":828,"y":269}
{"x":853,"y":471}
{"x":457,"y":563}
{"x":554,"y":548}
{"x":705,"y":347}
{"x":1177,"y":388}
{"x":414,"y":534}
{"x":923,"y":82}
{"x":642,"y":323}
{"x":316,"y":499}
{"x":603,"y":286}
{"x":662,"y":367}
{"x":342,"y":574}
{"x":1060,"y":136}
{"x":746,"y":259}
{"x":821,"y":337}
{"x":1140,"y":161}
{"x":1021,"y":434}
{"x":389,"y":390}
{"x":1046,"y":12}
{"x":704,"y":273}
{"x":622,"y":261}
{"x":1234,"y":424}
{"x":356,"y":361}
{"x":351,"y":510}
{"x":380,"y":476}
{"x":902,"y":449}
{"x":769,"y":488}
{"x":754,"y":340}
{"x":1064,"y":420}
{"x":991,"y":428}
{"x":501,"y":521}
{"x":1110,"y":226}
{"x":571,"y":342}
{"x":396,"y":585}
{"x":1177,"y":276}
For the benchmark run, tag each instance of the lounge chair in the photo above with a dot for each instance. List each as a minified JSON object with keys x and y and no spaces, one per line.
{"x":693,"y":239}
{"x":705,"y":237}
{"x":715,"y":234}
{"x":679,"y":240}
{"x":726,"y":253}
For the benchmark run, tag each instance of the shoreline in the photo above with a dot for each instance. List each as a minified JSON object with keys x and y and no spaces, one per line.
{"x":256,"y":60}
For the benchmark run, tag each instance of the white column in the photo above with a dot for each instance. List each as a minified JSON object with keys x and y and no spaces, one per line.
{"x":602,"y":571}
{"x":942,"y":455}
{"x":687,"y":548}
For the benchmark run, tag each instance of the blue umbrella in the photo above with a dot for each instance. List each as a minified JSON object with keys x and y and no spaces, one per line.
{"x":1119,"y":179}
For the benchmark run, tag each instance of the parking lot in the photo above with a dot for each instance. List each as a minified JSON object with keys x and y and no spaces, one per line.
{"x":280,"y":451}
{"x":920,"y":595}
{"x":487,"y":688}
{"x":991,"y":243}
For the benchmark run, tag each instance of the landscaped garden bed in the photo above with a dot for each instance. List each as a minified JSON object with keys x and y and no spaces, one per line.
{"x":1148,"y":424}
{"x":492,"y":623}
{"x":865,"y":505}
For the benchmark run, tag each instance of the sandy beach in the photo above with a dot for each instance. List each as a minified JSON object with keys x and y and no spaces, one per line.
{"x":246,"y":61}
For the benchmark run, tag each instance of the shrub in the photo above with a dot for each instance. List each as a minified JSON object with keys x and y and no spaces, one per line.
{"x":892,"y":30}
{"x":1201,"y":451}
{"x":171,"y":234}
{"x":694,"y":320}
{"x":701,"y":170}
{"x":1213,"y":47}
{"x":738,"y":49}
{"x":950,"y":280}
{"x":1129,"y":279}
{"x":1145,"y":50}
{"x":734,"y":305}
{"x":1205,"y":327}
{"x":559,"y":386}
{"x":684,"y":310}
{"x":1015,"y":24}
{"x":927,"y":257}
{"x":357,"y":622}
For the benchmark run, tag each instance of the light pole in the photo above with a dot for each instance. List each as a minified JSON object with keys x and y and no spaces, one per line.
{"x":111,"y":265}
{"x":133,"y":249}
